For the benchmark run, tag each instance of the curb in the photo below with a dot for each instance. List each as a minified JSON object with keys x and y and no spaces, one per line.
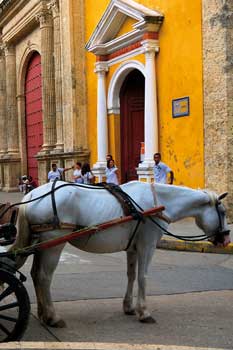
{"x":200,"y":247}
{"x":95,"y":346}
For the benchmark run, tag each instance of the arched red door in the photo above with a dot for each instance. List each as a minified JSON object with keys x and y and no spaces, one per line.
{"x":132,"y":123}
{"x":33,"y":109}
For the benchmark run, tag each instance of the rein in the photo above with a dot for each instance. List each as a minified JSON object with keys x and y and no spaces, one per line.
{"x":194,"y":238}
{"x":47,"y":194}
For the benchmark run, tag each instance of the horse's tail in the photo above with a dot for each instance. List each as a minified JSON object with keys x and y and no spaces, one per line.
{"x":23,"y":237}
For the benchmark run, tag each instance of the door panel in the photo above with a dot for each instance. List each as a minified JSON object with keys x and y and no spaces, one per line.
{"x":33,"y":111}
{"x":132,"y":123}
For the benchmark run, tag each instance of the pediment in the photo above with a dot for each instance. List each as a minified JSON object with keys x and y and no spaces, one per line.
{"x":109,"y":34}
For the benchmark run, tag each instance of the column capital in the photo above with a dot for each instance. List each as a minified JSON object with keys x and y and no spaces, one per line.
{"x":44,"y":17}
{"x":8,"y":48}
{"x":150,"y":46}
{"x":101,"y":68}
{"x":2,"y":53}
{"x":53,"y":5}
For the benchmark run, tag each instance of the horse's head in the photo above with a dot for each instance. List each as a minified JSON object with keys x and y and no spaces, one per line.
{"x":212,"y":219}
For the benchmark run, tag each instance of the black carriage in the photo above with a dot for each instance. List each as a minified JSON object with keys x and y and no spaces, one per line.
{"x":14,"y":299}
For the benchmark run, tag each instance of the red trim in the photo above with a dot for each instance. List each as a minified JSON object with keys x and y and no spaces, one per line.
{"x":150,"y":35}
{"x":124,"y":50}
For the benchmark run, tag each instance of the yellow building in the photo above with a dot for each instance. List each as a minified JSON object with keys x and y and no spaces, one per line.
{"x":119,"y":77}
{"x":144,"y":67}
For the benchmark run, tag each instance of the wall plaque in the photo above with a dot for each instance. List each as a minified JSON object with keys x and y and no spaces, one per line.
{"x":180,"y":107}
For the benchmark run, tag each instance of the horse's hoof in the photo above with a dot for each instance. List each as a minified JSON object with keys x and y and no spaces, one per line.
{"x":130,"y":312}
{"x":56,"y":324}
{"x":148,"y":319}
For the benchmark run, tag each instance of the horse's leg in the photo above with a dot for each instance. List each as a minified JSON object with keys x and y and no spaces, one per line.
{"x":44,"y":265}
{"x":144,"y":258}
{"x":131,"y":273}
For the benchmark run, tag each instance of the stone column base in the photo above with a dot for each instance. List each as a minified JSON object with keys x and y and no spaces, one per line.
{"x":11,"y":171}
{"x":99,"y":172}
{"x":145,"y":174}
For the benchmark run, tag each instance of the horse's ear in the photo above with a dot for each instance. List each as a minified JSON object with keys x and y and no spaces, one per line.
{"x":223,"y":195}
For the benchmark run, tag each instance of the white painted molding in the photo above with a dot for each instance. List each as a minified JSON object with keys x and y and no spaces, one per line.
{"x":150,"y":45}
{"x":113,"y":101}
{"x":104,"y":41}
{"x":101,"y":67}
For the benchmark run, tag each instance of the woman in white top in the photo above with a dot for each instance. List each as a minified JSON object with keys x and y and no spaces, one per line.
{"x":87,"y":175}
{"x":77,"y":175}
{"x":112,"y":173}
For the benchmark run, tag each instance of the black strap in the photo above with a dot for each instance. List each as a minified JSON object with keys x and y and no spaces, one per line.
{"x":56,"y":221}
{"x":133,"y":235}
{"x":125,"y":200}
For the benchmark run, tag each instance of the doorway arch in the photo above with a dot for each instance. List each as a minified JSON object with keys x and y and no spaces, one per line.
{"x":33,"y":113}
{"x":132,"y":96}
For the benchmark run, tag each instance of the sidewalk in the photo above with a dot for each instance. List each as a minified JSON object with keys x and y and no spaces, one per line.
{"x":188,"y":227}
{"x":185,"y":227}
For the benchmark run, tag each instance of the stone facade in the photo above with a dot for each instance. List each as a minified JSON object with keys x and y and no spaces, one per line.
{"x":218,"y":96}
{"x":41,"y":26}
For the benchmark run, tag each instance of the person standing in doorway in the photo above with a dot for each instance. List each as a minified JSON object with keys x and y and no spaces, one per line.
{"x":161,"y":170}
{"x":112,"y":173}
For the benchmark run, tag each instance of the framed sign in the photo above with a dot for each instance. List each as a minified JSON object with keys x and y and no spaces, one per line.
{"x":180,"y":107}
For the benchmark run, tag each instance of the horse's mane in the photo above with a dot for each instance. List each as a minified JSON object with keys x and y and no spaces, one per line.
{"x":212,"y":195}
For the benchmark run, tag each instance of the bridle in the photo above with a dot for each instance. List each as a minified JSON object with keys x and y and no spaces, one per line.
{"x":219,"y":234}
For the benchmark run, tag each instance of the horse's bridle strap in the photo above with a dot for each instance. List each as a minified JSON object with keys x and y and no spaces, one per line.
{"x":160,"y":215}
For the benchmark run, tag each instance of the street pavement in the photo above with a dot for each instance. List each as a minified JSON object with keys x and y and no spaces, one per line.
{"x":190,"y":294}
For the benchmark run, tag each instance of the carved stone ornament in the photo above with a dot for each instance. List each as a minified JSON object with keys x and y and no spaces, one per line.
{"x":1,"y":50}
{"x":8,"y":48}
{"x":44,"y":18}
{"x":101,"y":67}
{"x":53,"y":5}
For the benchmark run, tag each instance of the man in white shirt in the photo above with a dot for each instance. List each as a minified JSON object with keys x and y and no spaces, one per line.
{"x":161,"y":170}
{"x":56,"y":173}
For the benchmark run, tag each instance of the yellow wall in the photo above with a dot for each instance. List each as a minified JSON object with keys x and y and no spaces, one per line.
{"x":179,"y":74}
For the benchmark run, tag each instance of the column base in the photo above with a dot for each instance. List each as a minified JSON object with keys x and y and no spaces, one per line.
{"x":59,"y":147}
{"x":11,"y":171}
{"x":147,"y":163}
{"x":47,"y":149}
{"x":145,"y":173}
{"x":99,"y":171}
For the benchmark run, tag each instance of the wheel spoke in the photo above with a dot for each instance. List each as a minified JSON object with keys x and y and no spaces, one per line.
{"x":4,"y":329}
{"x":9,"y":306}
{"x":6,"y":292}
{"x":8,"y":318}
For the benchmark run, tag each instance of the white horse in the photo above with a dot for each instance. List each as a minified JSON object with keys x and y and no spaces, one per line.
{"x":83,"y":206}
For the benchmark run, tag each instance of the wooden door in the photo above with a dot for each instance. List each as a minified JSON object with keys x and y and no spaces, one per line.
{"x":132,"y":123}
{"x":33,"y":111}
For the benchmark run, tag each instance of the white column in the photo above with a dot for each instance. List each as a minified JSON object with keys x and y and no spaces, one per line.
{"x":151,"y":112}
{"x":102,"y":127}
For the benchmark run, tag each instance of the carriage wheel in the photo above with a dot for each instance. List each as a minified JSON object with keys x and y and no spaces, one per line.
{"x":14,"y":307}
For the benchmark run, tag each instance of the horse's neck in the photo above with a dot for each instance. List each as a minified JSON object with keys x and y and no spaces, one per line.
{"x":180,"y":202}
